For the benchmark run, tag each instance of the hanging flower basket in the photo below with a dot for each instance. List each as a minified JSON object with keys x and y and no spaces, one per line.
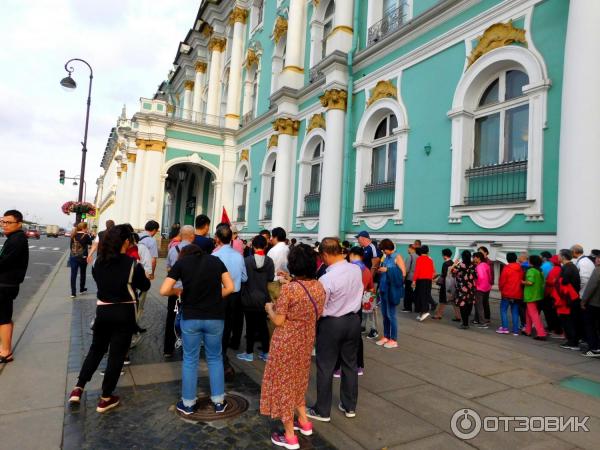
{"x":79,"y":208}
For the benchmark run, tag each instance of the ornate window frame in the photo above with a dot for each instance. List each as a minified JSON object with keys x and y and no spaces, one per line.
{"x":265,"y":181}
{"x":256,"y":20}
{"x":364,"y":145}
{"x":238,"y":191}
{"x":467,"y":95}
{"x":305,"y":162}
{"x":317,"y":25}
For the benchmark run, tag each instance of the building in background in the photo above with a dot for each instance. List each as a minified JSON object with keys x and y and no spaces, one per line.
{"x":458,"y":122}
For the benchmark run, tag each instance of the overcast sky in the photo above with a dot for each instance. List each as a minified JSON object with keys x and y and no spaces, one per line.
{"x":130,"y":44}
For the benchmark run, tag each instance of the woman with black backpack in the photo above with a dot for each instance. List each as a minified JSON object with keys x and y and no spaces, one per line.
{"x":80,"y":244}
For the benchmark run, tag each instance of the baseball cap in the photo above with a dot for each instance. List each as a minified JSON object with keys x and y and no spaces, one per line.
{"x":364,"y":234}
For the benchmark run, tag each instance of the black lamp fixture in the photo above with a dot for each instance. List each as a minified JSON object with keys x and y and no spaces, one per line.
{"x":68,"y":83}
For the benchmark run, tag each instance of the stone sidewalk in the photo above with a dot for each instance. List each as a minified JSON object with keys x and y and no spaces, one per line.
{"x":406,"y":397}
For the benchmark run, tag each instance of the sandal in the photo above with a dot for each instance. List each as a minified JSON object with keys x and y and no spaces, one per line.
{"x":6,"y":359}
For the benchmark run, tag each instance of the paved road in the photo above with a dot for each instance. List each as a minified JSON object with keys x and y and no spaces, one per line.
{"x":43,"y":256}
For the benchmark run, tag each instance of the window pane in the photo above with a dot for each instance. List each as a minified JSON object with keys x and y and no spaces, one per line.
{"x":315,"y":178}
{"x":317,"y":152}
{"x":378,"y":165}
{"x":391,"y":162}
{"x":389,"y":5}
{"x":381,"y":129}
{"x":490,"y":95}
{"x":516,"y":133}
{"x":393,"y":123}
{"x":272,"y":189}
{"x":330,"y":9}
{"x":515,"y":80}
{"x":244,"y":194}
{"x":487,"y":140}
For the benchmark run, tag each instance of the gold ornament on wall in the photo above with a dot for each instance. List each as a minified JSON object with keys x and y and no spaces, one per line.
{"x":238,"y":15}
{"x":245,"y":155}
{"x":316,"y":121}
{"x":170,"y":108}
{"x":496,"y":36}
{"x":151,"y":145}
{"x":200,"y":66}
{"x":131,"y":157}
{"x":281,"y":26}
{"x":188,"y":85}
{"x":285,"y":125}
{"x":207,"y":31}
{"x":217,"y":44}
{"x":123,"y":167}
{"x":383,"y":89}
{"x":334,"y":99}
{"x":273,"y":141}
{"x":251,"y":58}
{"x":316,"y":3}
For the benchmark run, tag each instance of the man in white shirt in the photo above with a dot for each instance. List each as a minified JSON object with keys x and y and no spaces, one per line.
{"x":147,"y":240}
{"x":279,"y":252}
{"x":584,"y":265}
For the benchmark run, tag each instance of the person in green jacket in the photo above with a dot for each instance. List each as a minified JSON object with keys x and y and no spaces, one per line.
{"x":533,"y":293}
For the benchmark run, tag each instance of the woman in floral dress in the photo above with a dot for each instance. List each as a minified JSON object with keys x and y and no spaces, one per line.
{"x":465,"y":274}
{"x":285,"y":379}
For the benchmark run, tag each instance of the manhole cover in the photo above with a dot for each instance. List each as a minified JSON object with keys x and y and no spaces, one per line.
{"x":236,"y":405}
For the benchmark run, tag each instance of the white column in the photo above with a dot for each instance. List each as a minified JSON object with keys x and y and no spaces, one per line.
{"x":127,"y":212}
{"x":248,"y":100}
{"x":579,"y":160}
{"x":137,"y":189}
{"x":284,"y":173}
{"x":293,"y":72}
{"x":341,"y":35}
{"x":152,"y":183}
{"x":227,"y":185}
{"x":232,"y":117}
{"x":333,"y":157}
{"x":198,"y":84}
{"x":119,"y":196}
{"x":188,"y":88}
{"x":216,"y":47}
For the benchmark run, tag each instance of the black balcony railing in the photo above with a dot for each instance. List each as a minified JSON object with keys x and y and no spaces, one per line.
{"x":392,"y":20}
{"x":497,"y":183}
{"x":311,"y":204}
{"x":241,"y":213}
{"x":268,"y":210}
{"x":379,"y":197}
{"x":314,"y":74}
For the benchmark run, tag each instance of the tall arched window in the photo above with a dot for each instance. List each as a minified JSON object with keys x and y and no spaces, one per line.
{"x":278,"y":62}
{"x":499,"y":170}
{"x":241,"y":194}
{"x":269,"y":186}
{"x":312,"y":199}
{"x":379,"y":194}
{"x":257,"y":13}
{"x":327,"y":26}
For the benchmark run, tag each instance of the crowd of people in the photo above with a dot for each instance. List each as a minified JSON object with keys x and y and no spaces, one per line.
{"x":294,"y":300}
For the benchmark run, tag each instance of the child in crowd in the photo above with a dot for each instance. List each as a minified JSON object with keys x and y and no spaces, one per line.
{"x":511,"y":292}
{"x":532,"y":294}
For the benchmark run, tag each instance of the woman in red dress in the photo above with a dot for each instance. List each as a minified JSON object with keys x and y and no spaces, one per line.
{"x":295,"y":315}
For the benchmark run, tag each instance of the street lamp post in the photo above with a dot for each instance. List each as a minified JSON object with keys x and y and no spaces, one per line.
{"x":69,"y":83}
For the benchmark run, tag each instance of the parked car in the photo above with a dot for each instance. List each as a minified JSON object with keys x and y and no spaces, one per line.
{"x":32,"y":234}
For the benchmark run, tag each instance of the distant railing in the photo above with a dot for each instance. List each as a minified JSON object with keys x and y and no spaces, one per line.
{"x":497,"y":183}
{"x":379,"y":197}
{"x":188,"y":115}
{"x":241,"y":213}
{"x":314,"y":74}
{"x":393,"y":20}
{"x":246,"y":118}
{"x":268,"y":210}
{"x":311,"y":204}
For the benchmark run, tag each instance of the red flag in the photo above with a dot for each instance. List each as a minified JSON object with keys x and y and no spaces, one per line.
{"x":225,"y":217}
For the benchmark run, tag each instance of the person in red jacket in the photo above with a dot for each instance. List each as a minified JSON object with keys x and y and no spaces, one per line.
{"x":552,"y":279}
{"x":422,"y":280}
{"x":511,"y":291}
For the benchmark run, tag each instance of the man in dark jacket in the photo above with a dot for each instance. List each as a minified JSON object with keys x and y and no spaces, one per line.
{"x":255,"y":294}
{"x":573,"y":325}
{"x":14,"y":258}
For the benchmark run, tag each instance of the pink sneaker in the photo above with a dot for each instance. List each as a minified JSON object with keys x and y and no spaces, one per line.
{"x":382,"y":341}
{"x":306,"y":429}
{"x":390,"y":344}
{"x":502,"y":330}
{"x":282,"y":440}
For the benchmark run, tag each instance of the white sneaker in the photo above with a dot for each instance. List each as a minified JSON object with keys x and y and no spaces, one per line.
{"x":424,"y":316}
{"x":390,"y":344}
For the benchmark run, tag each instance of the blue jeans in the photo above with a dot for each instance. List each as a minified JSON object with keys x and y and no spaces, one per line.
{"x":77,"y":264}
{"x":193,"y":333}
{"x":390,"y":323}
{"x":514,"y":310}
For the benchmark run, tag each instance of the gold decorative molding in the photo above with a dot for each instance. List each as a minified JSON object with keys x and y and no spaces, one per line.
{"x":273,"y":141}
{"x":151,"y":145}
{"x":495,"y":36}
{"x":188,"y":85}
{"x":295,"y":69}
{"x":105,"y":206}
{"x":131,"y":157}
{"x":383,"y":89}
{"x":170,"y":108}
{"x":217,"y":44}
{"x":119,"y":175}
{"x":238,"y":15}
{"x":334,"y":99}
{"x":316,"y":121}
{"x":245,"y":155}
{"x":251,"y":58}
{"x":285,"y":125}
{"x":316,"y":2}
{"x":232,"y":116}
{"x":207,"y":31}
{"x":177,"y":97}
{"x":281,"y":26}
{"x":124,"y":167}
{"x":341,"y":28}
{"x":200,"y":66}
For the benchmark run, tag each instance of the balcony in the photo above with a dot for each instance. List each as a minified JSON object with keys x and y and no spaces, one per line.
{"x":379,"y":197}
{"x":314,"y":74}
{"x":393,"y":20}
{"x":311,"y":204}
{"x":188,"y":115}
{"x":241,"y":213}
{"x":497,"y":184}
{"x":268,"y":210}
